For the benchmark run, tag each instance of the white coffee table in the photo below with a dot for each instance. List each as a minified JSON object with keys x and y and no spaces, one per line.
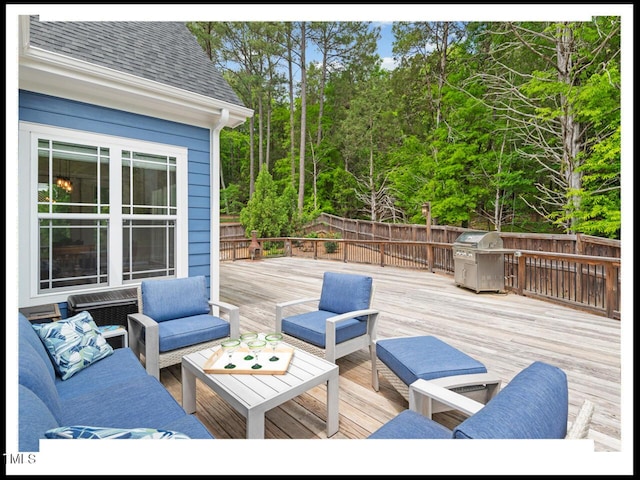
{"x":253,"y":395}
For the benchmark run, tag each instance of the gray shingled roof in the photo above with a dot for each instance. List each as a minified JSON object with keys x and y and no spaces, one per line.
{"x":166,"y":52}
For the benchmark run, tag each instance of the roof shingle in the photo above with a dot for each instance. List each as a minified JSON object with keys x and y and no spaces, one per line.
{"x":165,"y":52}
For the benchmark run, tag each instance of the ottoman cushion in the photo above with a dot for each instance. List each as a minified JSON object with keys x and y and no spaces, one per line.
{"x":426,"y":357}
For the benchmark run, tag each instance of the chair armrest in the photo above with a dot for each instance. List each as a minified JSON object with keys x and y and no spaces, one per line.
{"x":136,"y":322}
{"x":297,"y":302}
{"x":331,"y":330}
{"x":355,"y":314}
{"x":282,"y":305}
{"x":233,"y":312}
{"x":423,"y":392}
{"x":582,"y":423}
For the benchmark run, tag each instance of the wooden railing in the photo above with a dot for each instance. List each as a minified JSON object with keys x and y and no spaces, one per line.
{"x":580,"y":281}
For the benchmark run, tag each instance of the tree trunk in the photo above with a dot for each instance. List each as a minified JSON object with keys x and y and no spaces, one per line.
{"x":303,"y":114}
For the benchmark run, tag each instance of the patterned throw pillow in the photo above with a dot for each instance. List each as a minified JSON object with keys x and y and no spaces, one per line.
{"x":83,"y":431}
{"x":73,"y":343}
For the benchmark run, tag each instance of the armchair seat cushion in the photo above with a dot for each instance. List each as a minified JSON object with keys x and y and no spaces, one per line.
{"x":183,"y":332}
{"x":311,"y":327}
{"x":410,"y":424}
{"x":425,"y":357}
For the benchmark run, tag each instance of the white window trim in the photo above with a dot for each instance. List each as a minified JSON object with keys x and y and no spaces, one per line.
{"x":28,"y":264}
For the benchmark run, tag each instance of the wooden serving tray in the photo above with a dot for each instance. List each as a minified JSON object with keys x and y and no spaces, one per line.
{"x":217,"y":361}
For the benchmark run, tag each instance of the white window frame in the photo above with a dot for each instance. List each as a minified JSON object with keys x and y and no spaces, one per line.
{"x":28,"y":232}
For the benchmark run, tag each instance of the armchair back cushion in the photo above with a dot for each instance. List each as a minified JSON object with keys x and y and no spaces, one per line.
{"x":345,"y":292}
{"x":533,"y":405}
{"x":175,"y":298}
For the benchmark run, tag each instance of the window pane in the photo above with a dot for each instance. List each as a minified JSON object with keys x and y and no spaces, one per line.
{"x":72,"y":252}
{"x":148,"y":184}
{"x":68,"y":178}
{"x":148,"y":248}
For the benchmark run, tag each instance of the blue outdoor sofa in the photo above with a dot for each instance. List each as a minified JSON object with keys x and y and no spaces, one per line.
{"x":114,"y":395}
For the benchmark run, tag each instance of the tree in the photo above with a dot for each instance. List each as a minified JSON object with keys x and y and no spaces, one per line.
{"x":499,"y":125}
{"x":303,"y":114}
{"x":368,"y":132}
{"x":266,"y":212}
{"x":550,"y":113}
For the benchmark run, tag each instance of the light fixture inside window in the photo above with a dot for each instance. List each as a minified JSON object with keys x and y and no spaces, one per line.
{"x":65,"y":183}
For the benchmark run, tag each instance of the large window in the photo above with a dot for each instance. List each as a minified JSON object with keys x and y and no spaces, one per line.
{"x":107,"y":211}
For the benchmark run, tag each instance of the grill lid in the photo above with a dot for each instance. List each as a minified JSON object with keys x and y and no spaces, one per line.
{"x":485,"y":240}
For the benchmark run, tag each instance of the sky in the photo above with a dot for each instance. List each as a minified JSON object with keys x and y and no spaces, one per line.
{"x":230,"y":456}
{"x":385,"y":45}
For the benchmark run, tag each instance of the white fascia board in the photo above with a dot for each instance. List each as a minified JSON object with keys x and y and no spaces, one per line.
{"x":42,"y":71}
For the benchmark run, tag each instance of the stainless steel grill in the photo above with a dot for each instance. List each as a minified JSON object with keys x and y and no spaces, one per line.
{"x":479,"y":261}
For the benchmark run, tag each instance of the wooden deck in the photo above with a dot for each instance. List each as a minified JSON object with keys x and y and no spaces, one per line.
{"x":506,"y":332}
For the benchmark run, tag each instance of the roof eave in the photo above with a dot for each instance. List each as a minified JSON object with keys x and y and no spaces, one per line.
{"x":58,"y":75}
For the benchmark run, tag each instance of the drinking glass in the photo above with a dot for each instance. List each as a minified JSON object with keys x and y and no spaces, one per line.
{"x":256,"y":347}
{"x":273,"y":339}
{"x":245,"y":338}
{"x":230,"y":346}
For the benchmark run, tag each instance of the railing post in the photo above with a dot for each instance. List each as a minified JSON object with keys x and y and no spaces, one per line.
{"x":521,"y":272}
{"x":611,"y":289}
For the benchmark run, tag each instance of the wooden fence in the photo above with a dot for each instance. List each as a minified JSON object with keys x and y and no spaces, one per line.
{"x":575,"y":270}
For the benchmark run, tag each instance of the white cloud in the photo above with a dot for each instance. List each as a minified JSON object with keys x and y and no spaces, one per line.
{"x":388,"y":63}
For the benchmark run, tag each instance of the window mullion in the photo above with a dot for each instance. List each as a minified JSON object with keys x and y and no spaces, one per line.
{"x":115,"y":238}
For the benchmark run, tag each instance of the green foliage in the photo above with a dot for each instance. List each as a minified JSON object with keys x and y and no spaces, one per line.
{"x":269,"y":213}
{"x":479,"y":124}
{"x":331,"y":247}
{"x":230,"y":200}
{"x":264,"y":212}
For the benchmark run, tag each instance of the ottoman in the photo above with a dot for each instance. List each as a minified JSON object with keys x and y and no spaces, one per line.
{"x":403,"y":360}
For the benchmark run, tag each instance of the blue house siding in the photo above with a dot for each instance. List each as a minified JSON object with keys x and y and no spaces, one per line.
{"x":59,"y":112}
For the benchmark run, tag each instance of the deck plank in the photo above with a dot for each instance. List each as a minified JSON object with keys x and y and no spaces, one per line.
{"x":506,"y":332}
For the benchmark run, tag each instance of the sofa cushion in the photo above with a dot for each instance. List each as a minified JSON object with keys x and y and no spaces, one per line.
{"x":28,"y":334}
{"x":345,"y":292}
{"x":33,"y":374}
{"x":139,"y":402}
{"x":311,"y":327}
{"x":174,"y":298}
{"x":90,"y":432}
{"x":34,"y":418}
{"x":192,"y":330}
{"x":73,"y":343}
{"x":533,"y":405}
{"x":410,"y":424}
{"x":426,"y":357}
{"x":119,"y":367}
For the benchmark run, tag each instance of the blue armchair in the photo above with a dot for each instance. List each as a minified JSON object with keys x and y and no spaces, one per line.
{"x":534,"y":405}
{"x":342,"y":321}
{"x":177,"y":318}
